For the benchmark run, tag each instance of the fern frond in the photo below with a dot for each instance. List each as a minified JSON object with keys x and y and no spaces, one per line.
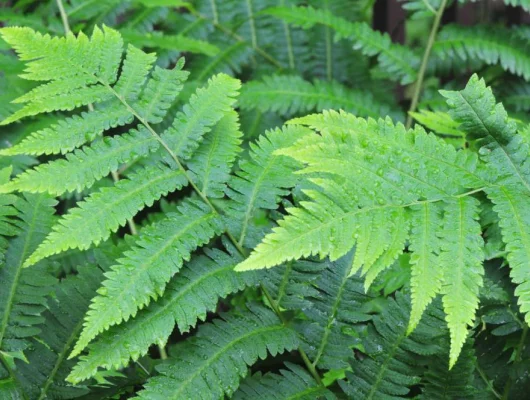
{"x":336,"y":307}
{"x":490,"y":45}
{"x":189,"y":296}
{"x":105,"y":211}
{"x":398,"y":62}
{"x":378,"y":169}
{"x":218,"y":356}
{"x":78,"y":67}
{"x":22,"y":298}
{"x":261,"y":181}
{"x":289,"y":95}
{"x":426,"y":276}
{"x":170,"y":42}
{"x":461,"y":258}
{"x":506,"y":153}
{"x":391,"y":366}
{"x":212,"y":162}
{"x":205,"y":108}
{"x":291,"y":383}
{"x":443,"y":383}
{"x":7,"y":212}
{"x":43,"y":376}
{"x":85,"y":166}
{"x":145,"y":269}
{"x":72,"y":132}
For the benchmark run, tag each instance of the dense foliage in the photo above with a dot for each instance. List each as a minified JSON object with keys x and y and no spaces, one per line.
{"x":262,"y":199}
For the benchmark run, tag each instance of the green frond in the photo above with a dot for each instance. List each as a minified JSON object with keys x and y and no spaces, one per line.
{"x":367,"y":170}
{"x":161,"y":91}
{"x":134,"y":73}
{"x":438,"y":122}
{"x":43,"y":377}
{"x":442,"y":383}
{"x":205,"y":108}
{"x":426,"y":275}
{"x":144,"y":270}
{"x":22,"y":298}
{"x":261,"y":181}
{"x":289,"y":95}
{"x":288,"y":384}
{"x":506,"y":153}
{"x":398,"y":62}
{"x":336,"y":306}
{"x":78,"y":67}
{"x":219,"y":355}
{"x":391,"y":365}
{"x":85,"y":166}
{"x":105,"y":211}
{"x":212,"y":162}
{"x":461,"y":257}
{"x":292,"y":284}
{"x":7,"y":212}
{"x":490,"y":45}
{"x":189,"y":296}
{"x":180,"y":43}
{"x":228,"y":60}
{"x":72,"y":132}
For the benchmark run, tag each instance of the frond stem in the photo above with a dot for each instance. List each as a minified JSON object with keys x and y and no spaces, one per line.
{"x":303,"y":354}
{"x":64,"y":17}
{"x":13,"y":376}
{"x":486,"y":381}
{"x":425,"y":59}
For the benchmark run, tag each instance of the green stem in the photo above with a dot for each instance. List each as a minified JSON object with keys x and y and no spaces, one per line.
{"x":424,"y":61}
{"x":64,"y":17}
{"x":486,"y":380}
{"x":517,"y":360}
{"x":303,"y":354}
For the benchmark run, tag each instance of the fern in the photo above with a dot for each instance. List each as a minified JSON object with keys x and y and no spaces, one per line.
{"x":146,"y":268}
{"x":396,"y":61}
{"x":215,"y":366}
{"x":43,"y":376}
{"x":391,"y":367}
{"x":505,"y":152}
{"x":489,"y":45}
{"x":291,"y":383}
{"x":188,"y":297}
{"x":288,"y":95}
{"x":362,"y":205}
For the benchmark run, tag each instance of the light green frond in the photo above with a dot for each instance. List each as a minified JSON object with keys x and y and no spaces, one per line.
{"x":144,"y":270}
{"x":288,"y":384}
{"x":262,"y":179}
{"x":289,"y":95}
{"x":461,"y":258}
{"x":189,"y":296}
{"x":160,"y":92}
{"x":212,"y":162}
{"x":426,"y":271}
{"x":136,"y":68}
{"x":84,"y":166}
{"x":105,"y":211}
{"x":72,"y":132}
{"x":205,"y":108}
{"x":217,"y":358}
{"x":376,"y":168}
{"x":506,"y":153}
{"x":77,"y":66}
{"x":170,"y":42}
